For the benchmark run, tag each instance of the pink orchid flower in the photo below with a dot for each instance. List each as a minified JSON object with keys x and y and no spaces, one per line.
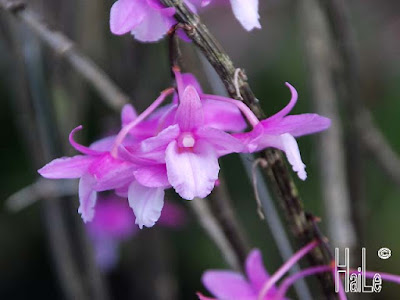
{"x":279,"y":131}
{"x":245,"y":11}
{"x":190,"y":146}
{"x":114,"y":223}
{"x":259,"y":285}
{"x":146,"y":20}
{"x":101,"y":169}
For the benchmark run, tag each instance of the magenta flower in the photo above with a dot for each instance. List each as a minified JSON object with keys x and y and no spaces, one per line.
{"x":146,"y":20}
{"x":257,"y":285}
{"x":245,"y":11}
{"x":279,"y":131}
{"x":191,"y":147}
{"x":101,"y":169}
{"x":98,"y":171}
{"x":232,"y":285}
{"x":114,"y":223}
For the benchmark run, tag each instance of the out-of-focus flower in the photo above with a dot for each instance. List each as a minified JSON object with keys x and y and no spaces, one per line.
{"x":146,"y":20}
{"x":150,"y":20}
{"x":245,"y":11}
{"x":114,"y":223}
{"x":258,"y":285}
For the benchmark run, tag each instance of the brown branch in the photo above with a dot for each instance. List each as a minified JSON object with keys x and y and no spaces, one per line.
{"x":277,"y":171}
{"x":66,"y":49}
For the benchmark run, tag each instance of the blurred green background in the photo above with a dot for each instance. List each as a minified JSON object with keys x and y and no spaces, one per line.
{"x":270,"y":57}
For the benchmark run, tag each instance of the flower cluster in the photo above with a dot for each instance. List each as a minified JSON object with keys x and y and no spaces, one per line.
{"x":177,"y":145}
{"x":113,"y":224}
{"x":150,"y":20}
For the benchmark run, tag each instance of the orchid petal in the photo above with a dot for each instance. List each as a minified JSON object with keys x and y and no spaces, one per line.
{"x":79,"y":147}
{"x":146,"y":203}
{"x":126,"y":15}
{"x":228,"y":285}
{"x":188,"y":79}
{"x":155,"y":25}
{"x":296,"y":125}
{"x":293,"y":155}
{"x":87,"y":197}
{"x":104,"y":144}
{"x":255,"y":270}
{"x":152,"y":176}
{"x":111,"y":173}
{"x":190,"y":114}
{"x":246,"y":11}
{"x":223,"y":115}
{"x":66,"y":167}
{"x":161,"y":140}
{"x":193,"y":172}
{"x":290,"y":105}
{"x":252,"y":139}
{"x":223,"y":142}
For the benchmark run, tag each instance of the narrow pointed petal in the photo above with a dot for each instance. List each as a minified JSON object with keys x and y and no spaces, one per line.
{"x":152,"y":176}
{"x":291,"y":104}
{"x":246,"y":11}
{"x":255,"y":270}
{"x":228,"y":285}
{"x":79,"y":147}
{"x":146,"y":203}
{"x":87,"y":197}
{"x":192,"y":173}
{"x":125,"y":15}
{"x":296,"y":125}
{"x":66,"y":167}
{"x":161,"y":140}
{"x":223,"y":142}
{"x":293,"y":155}
{"x":190,"y":114}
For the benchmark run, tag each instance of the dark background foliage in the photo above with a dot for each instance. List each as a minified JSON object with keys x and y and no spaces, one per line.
{"x":270,"y":56}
